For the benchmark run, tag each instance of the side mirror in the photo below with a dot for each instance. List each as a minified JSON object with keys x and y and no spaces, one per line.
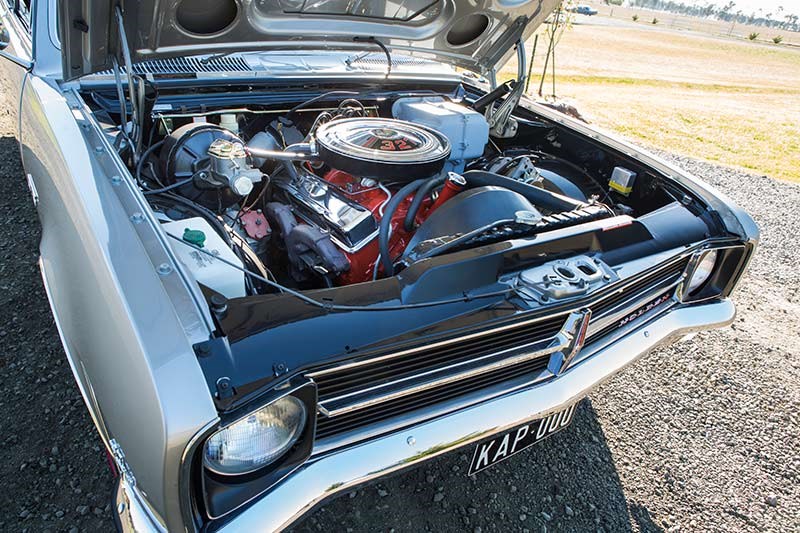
{"x":4,"y":37}
{"x":5,"y":40}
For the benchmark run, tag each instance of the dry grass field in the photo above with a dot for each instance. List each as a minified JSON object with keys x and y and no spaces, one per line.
{"x":719,"y":99}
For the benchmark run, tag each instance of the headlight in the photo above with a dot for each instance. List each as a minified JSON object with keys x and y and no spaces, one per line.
{"x":702,"y":272}
{"x":257,"y":440}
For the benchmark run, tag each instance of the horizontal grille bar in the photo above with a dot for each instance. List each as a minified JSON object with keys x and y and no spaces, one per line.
{"x":658,"y":284}
{"x":662,"y":275}
{"x":331,"y":426}
{"x":350,"y":380}
{"x":564,"y":341}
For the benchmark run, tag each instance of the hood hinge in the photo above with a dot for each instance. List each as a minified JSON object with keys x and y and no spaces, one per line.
{"x":501,"y":124}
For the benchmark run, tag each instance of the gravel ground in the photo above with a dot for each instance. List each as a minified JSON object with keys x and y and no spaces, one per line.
{"x":704,"y":435}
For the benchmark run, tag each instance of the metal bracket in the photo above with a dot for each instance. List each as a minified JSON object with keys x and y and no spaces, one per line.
{"x":501,"y":123}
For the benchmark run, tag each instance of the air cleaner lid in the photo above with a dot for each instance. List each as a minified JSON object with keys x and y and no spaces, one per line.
{"x":382,"y":148}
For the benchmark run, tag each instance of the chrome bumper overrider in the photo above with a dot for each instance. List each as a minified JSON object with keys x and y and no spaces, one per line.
{"x":341,"y":470}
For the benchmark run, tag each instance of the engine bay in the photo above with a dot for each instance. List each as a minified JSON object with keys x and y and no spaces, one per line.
{"x":337,"y":190}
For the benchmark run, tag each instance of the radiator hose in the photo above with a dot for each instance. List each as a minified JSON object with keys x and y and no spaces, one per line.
{"x":386,"y":223}
{"x":416,"y":203}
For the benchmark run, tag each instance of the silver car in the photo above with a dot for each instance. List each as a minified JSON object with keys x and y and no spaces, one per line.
{"x":292,"y":247}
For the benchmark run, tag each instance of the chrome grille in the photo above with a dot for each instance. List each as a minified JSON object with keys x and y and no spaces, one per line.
{"x":330,"y":426}
{"x":363,"y":377}
{"x":347,"y":381}
{"x":656,"y":282}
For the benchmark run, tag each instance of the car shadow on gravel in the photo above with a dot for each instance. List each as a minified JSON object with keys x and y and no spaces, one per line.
{"x":568,"y":482}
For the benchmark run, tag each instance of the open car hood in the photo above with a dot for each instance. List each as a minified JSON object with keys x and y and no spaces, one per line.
{"x":473,"y":34}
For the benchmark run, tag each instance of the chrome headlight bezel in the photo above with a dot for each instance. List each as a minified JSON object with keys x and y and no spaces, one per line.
{"x":224,"y":492}
{"x":701,"y":272}
{"x":718,"y":279}
{"x":282,"y":420}
{"x":294,"y":399}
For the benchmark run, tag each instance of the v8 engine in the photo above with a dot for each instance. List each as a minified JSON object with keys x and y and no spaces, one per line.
{"x":352,"y":195}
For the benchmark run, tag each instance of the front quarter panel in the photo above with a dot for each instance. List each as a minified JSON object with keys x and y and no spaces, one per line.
{"x":123,"y":336}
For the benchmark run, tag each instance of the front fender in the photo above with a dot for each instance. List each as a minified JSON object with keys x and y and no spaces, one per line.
{"x":123,"y":329}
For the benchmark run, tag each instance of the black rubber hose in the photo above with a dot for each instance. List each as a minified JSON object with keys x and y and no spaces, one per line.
{"x":422,"y":193}
{"x":145,"y":156}
{"x":386,"y":221}
{"x":538,"y":197}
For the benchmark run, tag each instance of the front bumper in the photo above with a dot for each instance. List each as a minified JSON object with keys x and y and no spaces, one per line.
{"x":131,"y":512}
{"x":341,"y":470}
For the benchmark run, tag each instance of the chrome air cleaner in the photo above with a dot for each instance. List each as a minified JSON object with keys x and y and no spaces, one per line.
{"x":382,"y":148}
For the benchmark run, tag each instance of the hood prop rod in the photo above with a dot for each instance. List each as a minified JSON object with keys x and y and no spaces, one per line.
{"x":136,"y":118}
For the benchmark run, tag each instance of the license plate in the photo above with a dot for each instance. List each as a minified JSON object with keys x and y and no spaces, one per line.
{"x":506,"y":444}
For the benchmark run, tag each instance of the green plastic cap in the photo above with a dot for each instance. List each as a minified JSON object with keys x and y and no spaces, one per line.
{"x":194,"y":236}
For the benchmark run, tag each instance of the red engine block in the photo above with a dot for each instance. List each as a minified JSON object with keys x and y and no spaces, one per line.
{"x":362,"y":262}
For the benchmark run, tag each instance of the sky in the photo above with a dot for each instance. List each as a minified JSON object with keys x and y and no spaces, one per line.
{"x":769,"y":6}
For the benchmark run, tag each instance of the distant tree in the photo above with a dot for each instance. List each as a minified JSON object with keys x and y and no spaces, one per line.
{"x":753,"y":36}
{"x":655,"y":21}
{"x":778,"y":39}
{"x":724,"y":12}
{"x":635,"y":17}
